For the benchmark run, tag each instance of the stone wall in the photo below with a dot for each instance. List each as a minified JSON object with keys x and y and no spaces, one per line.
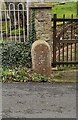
{"x":43,"y":30}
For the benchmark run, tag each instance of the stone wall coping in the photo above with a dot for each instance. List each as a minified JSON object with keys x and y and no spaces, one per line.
{"x":40,"y":6}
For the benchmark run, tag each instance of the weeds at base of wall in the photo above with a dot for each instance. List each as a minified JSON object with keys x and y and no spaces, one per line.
{"x":23,"y":74}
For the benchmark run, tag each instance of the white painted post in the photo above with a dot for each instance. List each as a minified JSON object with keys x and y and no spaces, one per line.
{"x":27,"y":6}
{"x":2,"y":7}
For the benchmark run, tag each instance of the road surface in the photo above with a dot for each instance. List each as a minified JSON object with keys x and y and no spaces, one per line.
{"x":38,"y":100}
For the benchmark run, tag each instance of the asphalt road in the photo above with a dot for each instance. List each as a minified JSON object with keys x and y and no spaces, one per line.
{"x":38,"y":100}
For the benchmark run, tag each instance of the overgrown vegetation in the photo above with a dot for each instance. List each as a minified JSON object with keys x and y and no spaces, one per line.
{"x":39,"y":78}
{"x":16,"y":54}
{"x":21,"y":74}
{"x":32,"y":34}
{"x":16,"y":74}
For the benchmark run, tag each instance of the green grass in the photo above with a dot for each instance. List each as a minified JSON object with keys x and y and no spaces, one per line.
{"x":68,"y":9}
{"x":4,"y":26}
{"x":17,"y":31}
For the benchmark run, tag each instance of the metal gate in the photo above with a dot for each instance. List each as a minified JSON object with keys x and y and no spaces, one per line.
{"x":13,"y":22}
{"x":65,"y":41}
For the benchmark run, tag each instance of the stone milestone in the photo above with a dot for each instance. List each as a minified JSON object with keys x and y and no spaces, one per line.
{"x":41,"y":57}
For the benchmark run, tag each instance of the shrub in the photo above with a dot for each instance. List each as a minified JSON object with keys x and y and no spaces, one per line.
{"x":16,"y":54}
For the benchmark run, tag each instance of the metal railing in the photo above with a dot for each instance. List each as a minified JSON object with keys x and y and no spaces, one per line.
{"x":13,"y":24}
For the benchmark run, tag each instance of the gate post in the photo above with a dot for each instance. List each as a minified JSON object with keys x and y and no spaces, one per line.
{"x":42,"y":21}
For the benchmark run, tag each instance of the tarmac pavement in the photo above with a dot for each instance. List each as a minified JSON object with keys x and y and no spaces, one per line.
{"x":38,"y":100}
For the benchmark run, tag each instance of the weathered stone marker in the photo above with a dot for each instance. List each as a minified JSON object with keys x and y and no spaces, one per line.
{"x":41,"y":57}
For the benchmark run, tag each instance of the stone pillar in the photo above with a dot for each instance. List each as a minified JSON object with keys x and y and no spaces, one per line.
{"x":41,"y":57}
{"x":43,"y":28}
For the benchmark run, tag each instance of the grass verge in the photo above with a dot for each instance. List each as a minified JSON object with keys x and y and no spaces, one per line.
{"x":68,"y":9}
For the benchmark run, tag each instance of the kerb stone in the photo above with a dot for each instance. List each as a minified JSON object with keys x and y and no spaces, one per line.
{"x":41,"y":57}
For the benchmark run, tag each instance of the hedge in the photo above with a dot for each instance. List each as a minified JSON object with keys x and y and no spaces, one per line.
{"x":16,"y":54}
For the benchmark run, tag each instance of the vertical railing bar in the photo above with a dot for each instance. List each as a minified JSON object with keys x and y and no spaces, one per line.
{"x":67,"y":52}
{"x":14,"y":18}
{"x":10,"y":30}
{"x":19,"y":20}
{"x":71,"y":53}
{"x":75,"y":52}
{"x":71,"y":26}
{"x":6,"y":22}
{"x":63,"y":54}
{"x":23,"y":23}
{"x":19,"y":26}
{"x":23,"y":26}
{"x":1,"y":28}
{"x":71,"y":37}
{"x":63,"y":25}
{"x":59,"y":53}
{"x":10,"y":19}
{"x":74,"y":47}
{"x":15,"y":22}
{"x":54,"y":40}
{"x":63,"y":36}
